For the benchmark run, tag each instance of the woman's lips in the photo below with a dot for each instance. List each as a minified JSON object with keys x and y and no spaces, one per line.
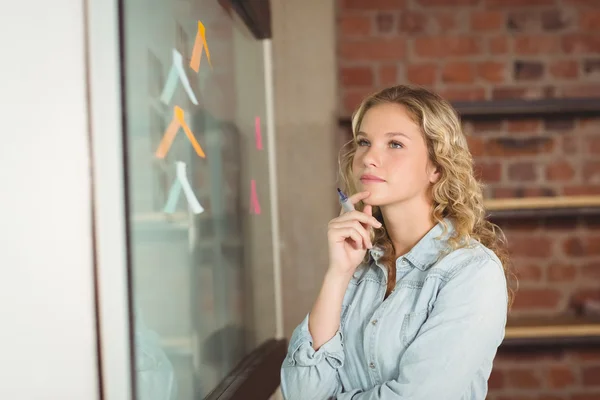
{"x":371,"y":179}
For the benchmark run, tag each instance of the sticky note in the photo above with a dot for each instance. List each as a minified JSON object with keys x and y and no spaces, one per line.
{"x":182,"y":183}
{"x":199,"y":45}
{"x":177,"y":74}
{"x":167,"y":140}
{"x":254,"y":204}
{"x":257,"y":135}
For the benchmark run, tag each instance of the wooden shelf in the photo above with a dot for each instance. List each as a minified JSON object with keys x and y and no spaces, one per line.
{"x":552,"y":331}
{"x":519,"y":108}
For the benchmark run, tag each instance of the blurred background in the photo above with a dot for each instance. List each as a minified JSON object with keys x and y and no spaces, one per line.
{"x":152,"y":285}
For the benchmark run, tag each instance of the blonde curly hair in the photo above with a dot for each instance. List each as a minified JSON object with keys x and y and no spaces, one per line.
{"x":456,"y":195}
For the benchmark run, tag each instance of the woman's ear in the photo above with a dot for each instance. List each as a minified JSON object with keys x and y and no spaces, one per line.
{"x":434,"y":174}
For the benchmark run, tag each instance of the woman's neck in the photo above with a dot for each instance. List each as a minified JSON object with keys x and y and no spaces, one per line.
{"x":407,"y":223}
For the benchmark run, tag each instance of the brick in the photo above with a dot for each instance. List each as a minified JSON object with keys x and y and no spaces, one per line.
{"x":492,"y":71}
{"x":519,"y":3}
{"x":582,"y":246}
{"x":523,"y":379}
{"x":591,"y":171}
{"x":476,"y":146}
{"x":591,"y":66}
{"x":485,"y":21}
{"x":504,"y":193}
{"x":529,"y":299}
{"x":591,"y":271}
{"x":530,"y":93}
{"x":585,"y":396}
{"x":444,"y":22}
{"x":529,"y":273}
{"x":560,"y":170}
{"x":560,"y":377}
{"x":380,"y":49}
{"x":487,"y":126}
{"x":554,"y":20}
{"x":561,"y":273}
{"x":564,"y":69}
{"x":449,"y":3}
{"x":465,"y":94}
{"x":559,"y":123}
{"x":581,"y":44}
{"x":589,"y":20}
{"x":497,"y":379}
{"x":354,"y":25}
{"x":412,"y":22}
{"x":536,"y":45}
{"x":535,"y":247}
{"x":570,"y":144}
{"x":538,"y":192}
{"x":444,"y":46}
{"x":489,"y":172}
{"x":528,"y":70}
{"x":385,"y":22}
{"x":375,"y":5}
{"x":524,"y":125}
{"x":352,"y":98}
{"x":522,"y":172}
{"x":388,"y":75}
{"x":590,"y":376}
{"x":357,"y":76}
{"x":592,"y":145}
{"x":498,"y":45}
{"x":581,"y":190}
{"x":582,"y":90}
{"x":520,"y":146}
{"x":522,"y":21}
{"x":422,"y":74}
{"x":458,"y":72}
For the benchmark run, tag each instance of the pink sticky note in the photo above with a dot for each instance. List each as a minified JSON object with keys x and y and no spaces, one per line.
{"x":257,"y":134}
{"x":254,"y":204}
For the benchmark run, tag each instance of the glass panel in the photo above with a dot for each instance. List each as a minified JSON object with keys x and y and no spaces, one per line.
{"x":199,"y":277}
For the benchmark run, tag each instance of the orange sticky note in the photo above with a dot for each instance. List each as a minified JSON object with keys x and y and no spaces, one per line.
{"x":167,"y":140}
{"x":199,"y":45}
{"x":254,"y":204}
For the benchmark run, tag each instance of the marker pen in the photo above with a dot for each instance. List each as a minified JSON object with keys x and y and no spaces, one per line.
{"x":346,"y":204}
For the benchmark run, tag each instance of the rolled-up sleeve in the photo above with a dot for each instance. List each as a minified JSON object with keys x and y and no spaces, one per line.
{"x":456,"y":344}
{"x":307,"y":373}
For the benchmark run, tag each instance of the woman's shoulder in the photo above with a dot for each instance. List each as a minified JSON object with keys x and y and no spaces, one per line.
{"x":471,"y":258}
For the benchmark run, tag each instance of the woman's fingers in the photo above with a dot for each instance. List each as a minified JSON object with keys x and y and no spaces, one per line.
{"x":355,"y":198}
{"x":345,"y":229}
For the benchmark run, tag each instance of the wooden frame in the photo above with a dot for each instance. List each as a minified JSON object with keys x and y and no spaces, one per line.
{"x":256,"y":14}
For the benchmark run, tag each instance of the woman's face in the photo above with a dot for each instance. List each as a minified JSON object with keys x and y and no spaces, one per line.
{"x":391,"y":160}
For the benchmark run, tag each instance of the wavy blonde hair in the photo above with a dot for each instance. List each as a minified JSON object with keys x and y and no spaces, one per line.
{"x":456,"y":195}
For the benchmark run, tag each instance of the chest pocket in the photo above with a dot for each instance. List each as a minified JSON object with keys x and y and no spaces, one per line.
{"x":411,"y":325}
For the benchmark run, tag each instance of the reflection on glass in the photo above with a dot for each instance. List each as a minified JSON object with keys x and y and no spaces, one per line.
{"x":199,"y":278}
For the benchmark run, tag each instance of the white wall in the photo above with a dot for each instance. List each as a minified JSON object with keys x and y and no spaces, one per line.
{"x":47,"y":331}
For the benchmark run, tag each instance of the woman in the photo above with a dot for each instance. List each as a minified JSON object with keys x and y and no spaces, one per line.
{"x":414,"y":302}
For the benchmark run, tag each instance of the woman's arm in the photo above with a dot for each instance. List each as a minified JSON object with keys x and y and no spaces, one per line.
{"x":316,"y":348}
{"x":462,"y":333}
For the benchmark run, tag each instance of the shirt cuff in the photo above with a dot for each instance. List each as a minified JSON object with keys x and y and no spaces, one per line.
{"x":302,"y":353}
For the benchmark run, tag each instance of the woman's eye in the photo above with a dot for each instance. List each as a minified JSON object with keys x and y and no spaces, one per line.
{"x":362,"y":142}
{"x":396,"y":145}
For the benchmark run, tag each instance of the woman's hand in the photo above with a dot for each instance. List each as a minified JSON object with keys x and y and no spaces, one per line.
{"x":349,"y":237}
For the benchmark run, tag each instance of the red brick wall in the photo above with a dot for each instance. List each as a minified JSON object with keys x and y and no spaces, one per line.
{"x":499,"y":49}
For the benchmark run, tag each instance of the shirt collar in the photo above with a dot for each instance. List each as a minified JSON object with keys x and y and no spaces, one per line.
{"x":427,"y":250}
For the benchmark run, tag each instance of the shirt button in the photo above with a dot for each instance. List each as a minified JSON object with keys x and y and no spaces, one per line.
{"x":403,"y":261}
{"x":372,"y":365}
{"x":374,"y":322}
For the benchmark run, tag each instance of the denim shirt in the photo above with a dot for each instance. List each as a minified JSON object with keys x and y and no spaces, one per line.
{"x":434,"y":337}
